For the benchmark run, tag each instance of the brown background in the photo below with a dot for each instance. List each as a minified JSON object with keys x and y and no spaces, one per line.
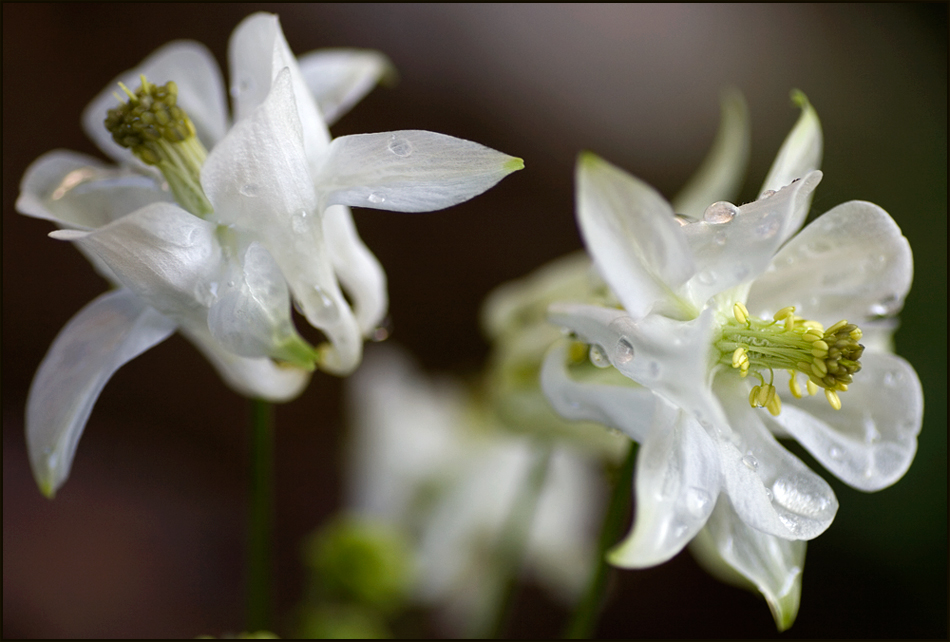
{"x":146,"y":539}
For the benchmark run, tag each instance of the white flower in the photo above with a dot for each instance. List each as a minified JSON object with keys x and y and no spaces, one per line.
{"x":427,"y":456}
{"x":696,"y":331}
{"x":216,"y":246}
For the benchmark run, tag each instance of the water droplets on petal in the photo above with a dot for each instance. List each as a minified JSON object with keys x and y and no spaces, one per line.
{"x":375,"y":198}
{"x":768,"y":227}
{"x":624,"y":352}
{"x":706,"y":277}
{"x":698,"y":502}
{"x":400,"y":147}
{"x":798,"y":494}
{"x":720,"y":212}
{"x":836,"y":453}
{"x":250,"y":190}
{"x":750,"y":462}
{"x":597,"y":357}
{"x":328,"y":312}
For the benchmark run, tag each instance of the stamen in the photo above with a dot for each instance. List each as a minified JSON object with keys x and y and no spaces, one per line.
{"x":833,"y":399}
{"x":812,"y":388}
{"x":741,"y":313}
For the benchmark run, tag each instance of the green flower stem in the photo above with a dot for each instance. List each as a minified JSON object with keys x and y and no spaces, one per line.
{"x":260,"y":518}
{"x":588,"y":608}
{"x":510,"y":549}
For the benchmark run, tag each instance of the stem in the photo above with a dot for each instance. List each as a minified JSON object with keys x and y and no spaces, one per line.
{"x":260,"y":518}
{"x":513,"y":542}
{"x":588,"y":608}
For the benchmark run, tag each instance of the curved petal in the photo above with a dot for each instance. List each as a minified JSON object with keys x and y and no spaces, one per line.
{"x":774,"y":565}
{"x":850,"y":263}
{"x":870,"y":443}
{"x":200,"y":95}
{"x":258,"y":52}
{"x":720,"y":176}
{"x":408,"y":171}
{"x":358,"y":270}
{"x":630,"y":232}
{"x":799,"y":156}
{"x":257,"y":180}
{"x":770,"y":489}
{"x":110,"y":331}
{"x":739,"y":246}
{"x":624,"y":408}
{"x":339,"y":78}
{"x":676,"y":487}
{"x":254,"y":378}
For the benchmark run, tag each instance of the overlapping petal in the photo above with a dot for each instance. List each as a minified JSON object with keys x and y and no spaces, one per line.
{"x":338,"y":78}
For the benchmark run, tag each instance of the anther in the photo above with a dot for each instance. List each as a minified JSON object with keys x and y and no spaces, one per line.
{"x":833,"y":399}
{"x":740,"y":312}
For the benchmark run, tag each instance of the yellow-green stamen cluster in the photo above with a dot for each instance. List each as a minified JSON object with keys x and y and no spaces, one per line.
{"x":828,"y":358}
{"x":160,"y":133}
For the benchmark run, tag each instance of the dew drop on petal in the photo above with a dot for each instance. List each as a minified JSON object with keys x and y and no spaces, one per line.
{"x":767,"y":193}
{"x":719,"y":238}
{"x":624,"y":352}
{"x":326,"y":310}
{"x":400,"y":147}
{"x":679,"y":531}
{"x":375,"y":198}
{"x":706,"y":277}
{"x":249,"y":190}
{"x":768,"y":227}
{"x":682,"y":219}
{"x":598,"y":358}
{"x":654,"y":369}
{"x":799,"y":495}
{"x":698,"y":502}
{"x":750,"y":462}
{"x":720,"y":212}
{"x":836,"y":453}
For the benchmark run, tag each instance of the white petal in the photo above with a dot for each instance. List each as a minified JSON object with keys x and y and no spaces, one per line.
{"x":358,"y":270}
{"x":770,"y":489}
{"x":851,"y":263}
{"x":257,"y":53}
{"x":869,"y":443}
{"x":200,"y":95}
{"x":253,"y":378}
{"x":257,"y":179}
{"x":630,"y":232}
{"x":799,"y":156}
{"x":774,"y":565}
{"x":110,"y":331}
{"x":625,"y":408}
{"x":676,"y":487}
{"x":740,"y":248}
{"x":723,"y":170}
{"x":339,"y":78}
{"x":409,"y":171}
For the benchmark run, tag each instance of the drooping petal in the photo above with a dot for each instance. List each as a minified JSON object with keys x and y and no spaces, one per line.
{"x":339,"y":78}
{"x":770,"y":489}
{"x":254,"y":378}
{"x":257,"y":179}
{"x":676,"y":487}
{"x":720,"y":176}
{"x":773,"y":564}
{"x":200,"y":95}
{"x":869,"y":443}
{"x":737,"y":247}
{"x":257,"y":53}
{"x":358,"y":270}
{"x":635,"y":241}
{"x":110,"y":331}
{"x":851,"y":263}
{"x":628,"y":409}
{"x":799,"y":156}
{"x":408,"y":171}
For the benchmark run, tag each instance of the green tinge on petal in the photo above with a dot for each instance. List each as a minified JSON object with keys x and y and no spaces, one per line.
{"x":297,"y":352}
{"x":513,"y":164}
{"x":802,"y":150}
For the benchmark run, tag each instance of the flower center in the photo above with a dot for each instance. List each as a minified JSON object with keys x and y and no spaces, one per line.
{"x":828,"y":358}
{"x":160,"y":133}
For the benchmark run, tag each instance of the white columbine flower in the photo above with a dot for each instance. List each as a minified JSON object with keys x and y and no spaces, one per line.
{"x":709,"y":330}
{"x":216,"y":243}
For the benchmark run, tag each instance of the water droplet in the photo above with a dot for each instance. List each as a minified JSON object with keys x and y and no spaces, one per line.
{"x":742,"y":271}
{"x":375,"y":198}
{"x":750,"y":462}
{"x":836,"y":453}
{"x":400,"y":147}
{"x":325,"y":310}
{"x":230,"y":284}
{"x":719,"y":238}
{"x":720,"y":212}
{"x":768,"y":227}
{"x":769,"y":494}
{"x":250,"y":190}
{"x":597,"y":357}
{"x":624,"y":352}
{"x":241,"y":87}
{"x":213,"y":286}
{"x":682,"y":219}
{"x":766,"y":194}
{"x":698,"y":502}
{"x":382,"y":331}
{"x":654,"y":369}
{"x":299,"y":222}
{"x":679,"y":531}
{"x":706,"y":277}
{"x":800,"y":495}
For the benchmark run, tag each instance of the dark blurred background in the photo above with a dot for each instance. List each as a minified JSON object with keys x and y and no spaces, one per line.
{"x":146,"y":538}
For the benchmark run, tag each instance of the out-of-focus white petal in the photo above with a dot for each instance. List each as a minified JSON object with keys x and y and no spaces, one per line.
{"x":631,"y":233}
{"x":200,"y":95}
{"x":408,"y":171}
{"x":339,"y":78}
{"x":257,"y":179}
{"x":850,"y":263}
{"x":720,"y":176}
{"x":358,"y":270}
{"x":625,"y":408}
{"x":110,"y":331}
{"x":258,"y":52}
{"x":676,"y":486}
{"x":869,"y":443}
{"x":799,"y":156}
{"x":734,"y":245}
{"x":770,"y":488}
{"x":253,"y":378}
{"x":774,"y":565}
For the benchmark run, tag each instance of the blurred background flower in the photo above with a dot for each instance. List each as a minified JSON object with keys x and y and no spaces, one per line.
{"x":147,"y":538}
